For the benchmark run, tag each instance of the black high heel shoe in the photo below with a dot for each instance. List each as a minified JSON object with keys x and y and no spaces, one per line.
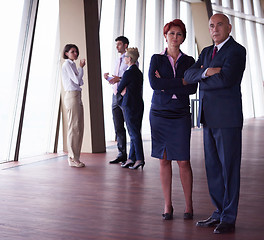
{"x":127,"y":164}
{"x":188,"y":216}
{"x":138,"y":165}
{"x":168,"y":216}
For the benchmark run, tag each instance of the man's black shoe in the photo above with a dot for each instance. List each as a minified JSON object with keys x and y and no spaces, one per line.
{"x":117,"y":160}
{"x":224,"y":227}
{"x":210,"y":222}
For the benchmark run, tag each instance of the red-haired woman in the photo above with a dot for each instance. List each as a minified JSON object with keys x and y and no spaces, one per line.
{"x":170,"y":117}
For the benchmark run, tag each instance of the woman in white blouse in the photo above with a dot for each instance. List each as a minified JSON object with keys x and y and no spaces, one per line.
{"x":72,"y":82}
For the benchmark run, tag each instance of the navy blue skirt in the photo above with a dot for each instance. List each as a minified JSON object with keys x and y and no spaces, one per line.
{"x":170,"y":132}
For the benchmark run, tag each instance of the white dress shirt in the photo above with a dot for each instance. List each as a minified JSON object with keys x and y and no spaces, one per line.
{"x":120,"y":68}
{"x":71,"y":77}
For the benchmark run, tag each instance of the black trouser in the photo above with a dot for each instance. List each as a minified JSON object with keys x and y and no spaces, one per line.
{"x":120,"y":130}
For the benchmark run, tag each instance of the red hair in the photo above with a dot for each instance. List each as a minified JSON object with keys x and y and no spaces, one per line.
{"x":177,"y":23}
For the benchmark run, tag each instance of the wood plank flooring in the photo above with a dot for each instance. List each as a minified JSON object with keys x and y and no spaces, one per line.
{"x":47,"y":200}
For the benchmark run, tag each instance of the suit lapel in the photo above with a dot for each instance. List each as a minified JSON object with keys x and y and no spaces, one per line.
{"x":223,"y":48}
{"x":227,"y":44}
{"x":167,"y":64}
{"x":207,"y":58}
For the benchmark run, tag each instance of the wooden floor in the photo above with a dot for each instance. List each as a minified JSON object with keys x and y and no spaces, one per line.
{"x":47,"y":200}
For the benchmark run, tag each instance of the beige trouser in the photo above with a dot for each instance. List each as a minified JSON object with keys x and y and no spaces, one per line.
{"x":74,"y":107}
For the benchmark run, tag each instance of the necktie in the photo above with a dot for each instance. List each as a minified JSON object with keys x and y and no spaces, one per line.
{"x":214,"y":52}
{"x":118,"y":66}
{"x":117,"y":74}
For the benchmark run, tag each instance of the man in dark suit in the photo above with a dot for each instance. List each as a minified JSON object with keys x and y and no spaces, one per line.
{"x":219,"y":73}
{"x":118,"y":117}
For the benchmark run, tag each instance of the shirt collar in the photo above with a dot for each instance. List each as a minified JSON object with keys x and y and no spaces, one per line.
{"x":69,"y":60}
{"x":220,"y":45}
{"x":164,"y":52}
{"x":123,"y":55}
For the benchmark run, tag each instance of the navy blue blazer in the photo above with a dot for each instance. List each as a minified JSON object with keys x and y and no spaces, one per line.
{"x":220,"y":94}
{"x":168,"y":85}
{"x":132,"y":79}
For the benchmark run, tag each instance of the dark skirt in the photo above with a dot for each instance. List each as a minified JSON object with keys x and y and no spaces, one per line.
{"x":170,"y":132}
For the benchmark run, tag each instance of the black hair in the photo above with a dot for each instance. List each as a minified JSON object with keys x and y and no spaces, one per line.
{"x":123,"y":39}
{"x":67,"y":48}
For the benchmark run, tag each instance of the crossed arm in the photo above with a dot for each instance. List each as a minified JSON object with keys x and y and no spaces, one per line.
{"x":224,"y":76}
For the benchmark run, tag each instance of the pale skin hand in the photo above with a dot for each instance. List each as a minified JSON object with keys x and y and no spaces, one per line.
{"x":106,"y":75}
{"x":82,"y":63}
{"x":211,"y":71}
{"x":123,"y":92}
{"x":114,"y":80}
{"x":157,"y":75}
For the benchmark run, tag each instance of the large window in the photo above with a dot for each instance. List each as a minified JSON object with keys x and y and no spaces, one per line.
{"x":29,"y":93}
{"x":107,"y":47}
{"x":10,"y":23}
{"x":41,"y":109}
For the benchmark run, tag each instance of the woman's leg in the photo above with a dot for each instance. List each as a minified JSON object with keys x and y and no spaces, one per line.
{"x":74,"y":108}
{"x":166,"y":182}
{"x":133,"y":123}
{"x":187,"y":183}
